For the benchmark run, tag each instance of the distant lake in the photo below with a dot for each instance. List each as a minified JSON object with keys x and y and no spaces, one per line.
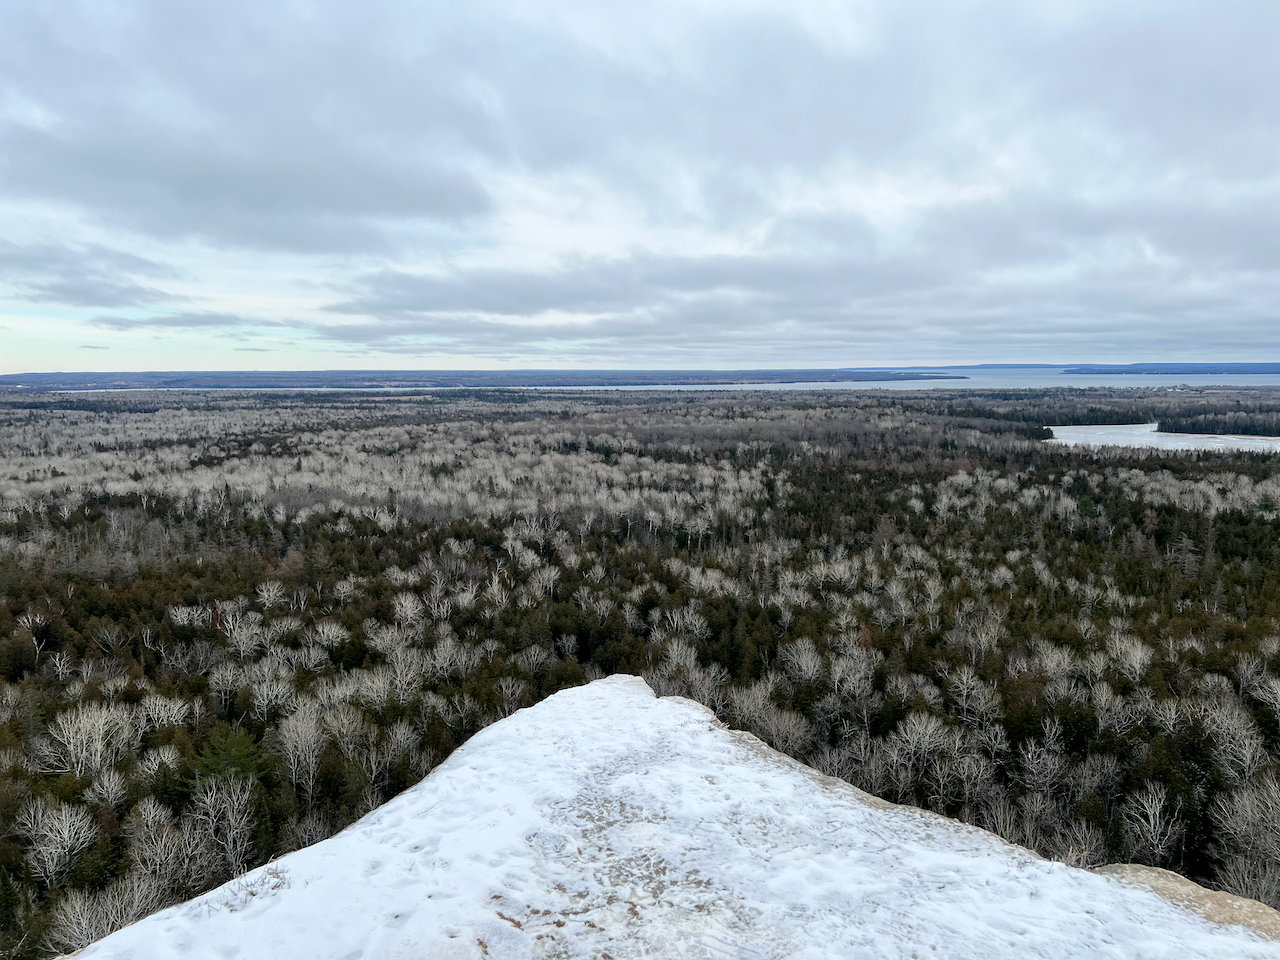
{"x":1145,"y":435}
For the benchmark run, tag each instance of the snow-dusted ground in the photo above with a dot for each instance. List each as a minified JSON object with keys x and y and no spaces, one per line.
{"x":1145,"y":435}
{"x":607,"y":823}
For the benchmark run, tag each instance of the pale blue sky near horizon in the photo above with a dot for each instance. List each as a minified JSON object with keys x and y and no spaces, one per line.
{"x":700,"y":184}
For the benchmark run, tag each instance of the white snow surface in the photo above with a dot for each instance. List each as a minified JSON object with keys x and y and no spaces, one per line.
{"x":605,"y":822}
{"x":1146,"y":435}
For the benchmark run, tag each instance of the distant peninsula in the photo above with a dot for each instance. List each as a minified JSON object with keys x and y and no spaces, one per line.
{"x":1172,"y":369}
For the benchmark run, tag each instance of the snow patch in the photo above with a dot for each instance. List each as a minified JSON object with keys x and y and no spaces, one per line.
{"x":607,"y":822}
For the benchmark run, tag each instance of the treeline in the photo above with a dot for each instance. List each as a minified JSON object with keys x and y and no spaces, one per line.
{"x":1255,"y":412}
{"x":1249,"y":423}
{"x":228,"y":629}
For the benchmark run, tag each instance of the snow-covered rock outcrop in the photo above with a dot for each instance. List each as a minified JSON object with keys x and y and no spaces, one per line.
{"x":605,"y":822}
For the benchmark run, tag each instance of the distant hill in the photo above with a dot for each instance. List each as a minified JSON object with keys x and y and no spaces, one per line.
{"x":605,"y":822}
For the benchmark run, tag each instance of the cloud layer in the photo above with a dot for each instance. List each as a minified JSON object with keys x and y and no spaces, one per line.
{"x":700,"y":183}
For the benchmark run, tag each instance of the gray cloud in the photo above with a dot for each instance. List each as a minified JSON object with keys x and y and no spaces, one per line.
{"x":254,"y":137}
{"x":662,"y":184}
{"x":89,"y":275}
{"x":183,"y":321}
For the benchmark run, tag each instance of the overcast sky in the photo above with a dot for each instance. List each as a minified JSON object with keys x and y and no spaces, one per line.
{"x":681,"y":183}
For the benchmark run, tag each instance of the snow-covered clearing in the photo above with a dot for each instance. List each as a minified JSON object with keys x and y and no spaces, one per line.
{"x":1146,"y":435}
{"x":605,"y":822}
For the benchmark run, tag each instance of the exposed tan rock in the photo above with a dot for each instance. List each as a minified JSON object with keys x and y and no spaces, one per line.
{"x":1213,"y":905}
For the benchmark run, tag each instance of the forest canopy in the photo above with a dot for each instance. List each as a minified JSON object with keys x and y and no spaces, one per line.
{"x":231,"y":623}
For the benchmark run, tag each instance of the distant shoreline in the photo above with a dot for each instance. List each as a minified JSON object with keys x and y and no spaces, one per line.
{"x":984,"y":376}
{"x":439,"y":379}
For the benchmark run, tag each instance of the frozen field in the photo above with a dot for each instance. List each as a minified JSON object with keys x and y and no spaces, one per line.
{"x":1145,"y":435}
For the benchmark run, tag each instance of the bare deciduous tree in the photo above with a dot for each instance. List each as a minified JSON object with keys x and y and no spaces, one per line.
{"x":271,"y":594}
{"x":301,"y":741}
{"x":56,"y":832}
{"x":221,"y":820}
{"x":1153,"y":827}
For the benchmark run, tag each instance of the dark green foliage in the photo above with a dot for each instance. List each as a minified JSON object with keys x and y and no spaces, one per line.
{"x":229,"y":750}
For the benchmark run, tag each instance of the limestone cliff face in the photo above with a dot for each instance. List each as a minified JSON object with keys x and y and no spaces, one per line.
{"x":607,"y":822}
